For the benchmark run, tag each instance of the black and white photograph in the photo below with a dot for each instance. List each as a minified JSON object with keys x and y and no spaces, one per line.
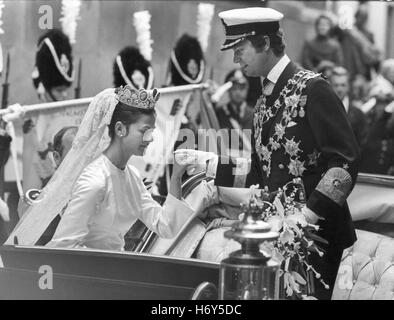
{"x":196,"y":150}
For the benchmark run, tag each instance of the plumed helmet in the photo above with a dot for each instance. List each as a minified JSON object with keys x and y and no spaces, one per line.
{"x":54,"y":63}
{"x":131,"y":68}
{"x":187,"y":61}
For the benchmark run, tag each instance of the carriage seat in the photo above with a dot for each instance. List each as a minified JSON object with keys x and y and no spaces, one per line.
{"x":366,"y":271}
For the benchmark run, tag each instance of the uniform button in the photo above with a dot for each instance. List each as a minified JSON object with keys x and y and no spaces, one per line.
{"x":265,"y":168}
{"x":281,"y":166}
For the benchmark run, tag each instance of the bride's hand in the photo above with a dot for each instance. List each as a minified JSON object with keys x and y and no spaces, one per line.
{"x":178,"y":170}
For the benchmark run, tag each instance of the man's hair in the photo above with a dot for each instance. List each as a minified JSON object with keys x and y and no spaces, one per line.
{"x":58,"y":138}
{"x":277,"y":42}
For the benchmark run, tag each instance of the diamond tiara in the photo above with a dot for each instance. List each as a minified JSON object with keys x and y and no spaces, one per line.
{"x":141,"y":98}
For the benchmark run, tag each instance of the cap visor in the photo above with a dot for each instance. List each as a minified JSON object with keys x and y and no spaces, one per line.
{"x":228,"y":44}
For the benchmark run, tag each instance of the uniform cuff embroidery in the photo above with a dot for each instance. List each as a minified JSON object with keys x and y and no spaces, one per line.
{"x":336,"y":185}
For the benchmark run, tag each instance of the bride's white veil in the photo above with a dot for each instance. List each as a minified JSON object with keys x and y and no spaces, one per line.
{"x":90,"y":141}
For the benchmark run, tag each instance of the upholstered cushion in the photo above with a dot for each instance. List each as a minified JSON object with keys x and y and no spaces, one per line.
{"x":372,"y":202}
{"x":367,"y":269}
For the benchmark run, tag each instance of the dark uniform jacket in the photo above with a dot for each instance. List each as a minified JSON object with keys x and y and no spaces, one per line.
{"x":317,"y":144}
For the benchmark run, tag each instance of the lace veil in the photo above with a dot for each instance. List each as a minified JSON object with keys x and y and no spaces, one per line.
{"x":90,"y":141}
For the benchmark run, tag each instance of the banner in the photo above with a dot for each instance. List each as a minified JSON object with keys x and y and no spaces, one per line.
{"x":38,"y":164}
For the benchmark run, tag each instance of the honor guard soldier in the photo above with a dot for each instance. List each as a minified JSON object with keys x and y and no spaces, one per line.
{"x":187,"y":64}
{"x":237,"y":114}
{"x":54,"y":72}
{"x":52,"y":76}
{"x":131,"y":68}
{"x":300,"y":130}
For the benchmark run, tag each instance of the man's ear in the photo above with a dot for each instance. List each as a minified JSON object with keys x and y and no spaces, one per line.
{"x":267,"y":43}
{"x":120,"y":129}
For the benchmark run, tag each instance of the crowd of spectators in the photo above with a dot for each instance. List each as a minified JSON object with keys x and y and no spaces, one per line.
{"x":362,"y":79}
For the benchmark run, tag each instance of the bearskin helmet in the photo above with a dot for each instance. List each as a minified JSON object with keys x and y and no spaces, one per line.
{"x":130,"y":67}
{"x":187,"y":64}
{"x":54,"y":63}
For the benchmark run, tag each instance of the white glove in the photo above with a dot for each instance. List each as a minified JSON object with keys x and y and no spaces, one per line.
{"x":16,"y":111}
{"x":195,"y":160}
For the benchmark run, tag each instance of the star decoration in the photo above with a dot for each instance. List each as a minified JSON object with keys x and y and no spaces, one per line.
{"x":296,"y":167}
{"x":345,"y":166}
{"x":275,"y":144}
{"x":291,"y":147}
{"x":313,"y":158}
{"x":279,"y":130}
{"x":291,"y":100}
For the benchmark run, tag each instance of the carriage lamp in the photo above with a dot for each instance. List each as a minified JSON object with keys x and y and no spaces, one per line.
{"x":249,"y":273}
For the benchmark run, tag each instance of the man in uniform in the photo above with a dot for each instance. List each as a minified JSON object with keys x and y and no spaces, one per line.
{"x":131,"y":68}
{"x":300,"y":131}
{"x":237,"y":115}
{"x":54,"y":72}
{"x":52,"y":76}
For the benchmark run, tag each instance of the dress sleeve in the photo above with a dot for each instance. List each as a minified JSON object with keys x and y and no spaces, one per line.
{"x":87,"y":195}
{"x":335,"y":139}
{"x":166,"y":220}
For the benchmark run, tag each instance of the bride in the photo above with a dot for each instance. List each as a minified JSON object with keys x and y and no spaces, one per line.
{"x":109,"y":195}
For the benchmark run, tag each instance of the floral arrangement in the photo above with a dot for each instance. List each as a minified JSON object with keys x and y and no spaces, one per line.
{"x":297,"y":238}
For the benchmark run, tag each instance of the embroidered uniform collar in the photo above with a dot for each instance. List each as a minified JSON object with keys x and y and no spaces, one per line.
{"x":277,"y":70}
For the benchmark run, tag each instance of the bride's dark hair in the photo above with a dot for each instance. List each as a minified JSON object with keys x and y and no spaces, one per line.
{"x":127,"y":115}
